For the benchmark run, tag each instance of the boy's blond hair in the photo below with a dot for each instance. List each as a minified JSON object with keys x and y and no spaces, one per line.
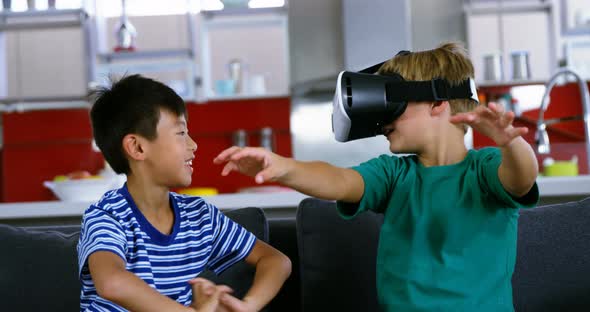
{"x":449,"y":61}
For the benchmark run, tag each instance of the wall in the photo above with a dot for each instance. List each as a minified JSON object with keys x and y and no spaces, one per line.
{"x":436,"y":21}
{"x":374,"y":31}
{"x":315,"y":36}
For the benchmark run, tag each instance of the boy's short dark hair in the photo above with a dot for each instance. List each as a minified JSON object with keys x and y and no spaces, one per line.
{"x":130,"y":105}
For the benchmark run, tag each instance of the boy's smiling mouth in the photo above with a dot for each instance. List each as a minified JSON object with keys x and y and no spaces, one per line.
{"x":189,"y":162}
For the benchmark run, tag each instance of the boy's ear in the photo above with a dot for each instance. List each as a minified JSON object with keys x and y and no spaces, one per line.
{"x":438,"y":107}
{"x":134,"y":147}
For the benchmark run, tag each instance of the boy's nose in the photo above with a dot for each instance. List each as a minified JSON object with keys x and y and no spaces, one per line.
{"x":192,"y":144}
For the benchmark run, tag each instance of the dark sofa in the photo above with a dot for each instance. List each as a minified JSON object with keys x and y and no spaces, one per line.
{"x":333,"y":261}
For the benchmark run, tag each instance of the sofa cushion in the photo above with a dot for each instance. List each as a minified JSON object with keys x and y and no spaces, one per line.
{"x":283,"y":237}
{"x":552,"y":270}
{"x":38,"y":270}
{"x":337,"y":258}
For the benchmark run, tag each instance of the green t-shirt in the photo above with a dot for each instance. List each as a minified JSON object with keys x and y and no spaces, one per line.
{"x":448,"y":241}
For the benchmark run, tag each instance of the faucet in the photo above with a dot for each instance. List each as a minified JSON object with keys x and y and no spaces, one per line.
{"x":541,"y":136}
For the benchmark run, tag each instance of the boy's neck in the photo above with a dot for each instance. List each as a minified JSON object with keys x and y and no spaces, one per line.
{"x":446,"y":148}
{"x":150,"y":199}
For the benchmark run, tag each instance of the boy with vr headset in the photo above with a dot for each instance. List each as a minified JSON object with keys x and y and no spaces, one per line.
{"x":448,"y":241}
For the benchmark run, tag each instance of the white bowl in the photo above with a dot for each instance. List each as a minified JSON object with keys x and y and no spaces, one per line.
{"x":85,"y":190}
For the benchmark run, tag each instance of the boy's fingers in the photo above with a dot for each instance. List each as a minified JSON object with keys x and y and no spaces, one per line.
{"x":498,"y":109}
{"x":229,"y":167}
{"x":232,"y":302}
{"x":264,"y":175}
{"x":224,"y":155}
{"x":225,"y":289}
{"x":495,"y":108}
{"x":515,"y":132}
{"x":197,"y":280}
{"x":488,"y":113}
{"x":207,"y":289}
{"x":247,"y":152}
{"x":507,"y":119}
{"x":462,"y":117}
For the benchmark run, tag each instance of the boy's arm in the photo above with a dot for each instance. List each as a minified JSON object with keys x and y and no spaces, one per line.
{"x":518,"y":170}
{"x":272,"y":269}
{"x":317,"y":179}
{"x":114,"y":283}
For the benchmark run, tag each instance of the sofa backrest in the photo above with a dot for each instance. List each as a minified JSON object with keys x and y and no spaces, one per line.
{"x":337,"y":258}
{"x":553,"y":258}
{"x":39,"y":270}
{"x":240,"y":276}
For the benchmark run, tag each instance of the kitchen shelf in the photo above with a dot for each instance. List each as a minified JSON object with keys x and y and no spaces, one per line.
{"x":155,"y":54}
{"x":42,"y":19}
{"x":474,"y":9}
{"x":509,"y":83}
{"x":10,"y":100}
{"x":246,"y":96}
{"x":244,"y":11}
{"x":105,"y":70}
{"x":24,"y":104}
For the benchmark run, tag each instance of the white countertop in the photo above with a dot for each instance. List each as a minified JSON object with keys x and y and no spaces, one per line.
{"x":48,"y":209}
{"x":548,"y":187}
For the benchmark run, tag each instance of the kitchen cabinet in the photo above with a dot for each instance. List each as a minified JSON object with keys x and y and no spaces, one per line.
{"x":575,"y":17}
{"x":259,"y":47}
{"x":39,"y":145}
{"x":213,"y":125}
{"x":503,"y":27}
{"x":48,"y":49}
{"x":166,"y":52}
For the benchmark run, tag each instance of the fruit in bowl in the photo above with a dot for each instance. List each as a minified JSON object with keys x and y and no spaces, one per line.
{"x":81,"y":186}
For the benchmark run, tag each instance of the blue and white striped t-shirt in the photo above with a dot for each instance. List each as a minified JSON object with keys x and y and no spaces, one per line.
{"x":201,"y":237}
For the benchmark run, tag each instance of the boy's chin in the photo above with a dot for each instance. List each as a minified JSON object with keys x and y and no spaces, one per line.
{"x":182,"y":184}
{"x":401,"y":150}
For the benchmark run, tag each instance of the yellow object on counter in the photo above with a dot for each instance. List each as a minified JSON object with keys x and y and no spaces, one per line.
{"x":561,"y":168}
{"x":199,"y":191}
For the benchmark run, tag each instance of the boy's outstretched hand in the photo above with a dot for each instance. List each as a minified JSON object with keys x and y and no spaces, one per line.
{"x":256,"y":162}
{"x":493,"y":122}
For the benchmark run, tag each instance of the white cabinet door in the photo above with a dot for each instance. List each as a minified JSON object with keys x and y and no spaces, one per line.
{"x":483,"y":38}
{"x":508,"y":32}
{"x":45,"y":63}
{"x":528,"y":32}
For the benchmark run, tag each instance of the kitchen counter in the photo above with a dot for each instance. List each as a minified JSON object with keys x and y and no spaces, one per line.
{"x":549,"y":187}
{"x":50,"y":209}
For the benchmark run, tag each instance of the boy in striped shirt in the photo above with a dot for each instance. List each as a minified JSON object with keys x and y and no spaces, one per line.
{"x":141,"y":246}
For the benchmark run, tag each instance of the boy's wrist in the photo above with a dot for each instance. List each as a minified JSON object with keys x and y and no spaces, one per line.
{"x":251,"y":303}
{"x":511,"y":143}
{"x":289,"y":168}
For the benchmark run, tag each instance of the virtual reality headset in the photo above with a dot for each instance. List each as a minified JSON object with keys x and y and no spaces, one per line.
{"x":365,"y":102}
